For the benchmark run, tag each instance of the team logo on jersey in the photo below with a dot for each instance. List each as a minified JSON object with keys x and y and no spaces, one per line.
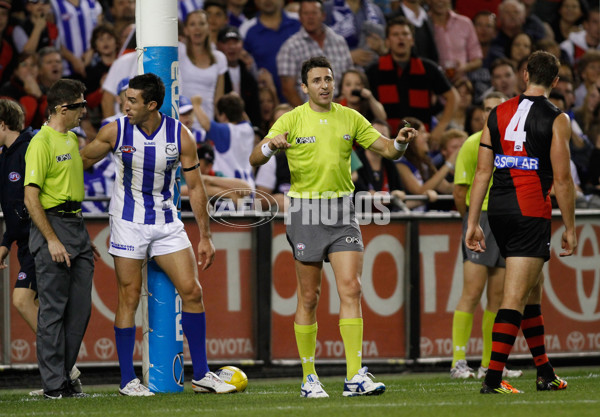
{"x":300,"y":246}
{"x":171,"y":149}
{"x":309,"y":139}
{"x":127,"y":149}
{"x":63,"y":158}
{"x":21,"y":276}
{"x":516,"y":162}
{"x":347,"y":137}
{"x":14,"y":176}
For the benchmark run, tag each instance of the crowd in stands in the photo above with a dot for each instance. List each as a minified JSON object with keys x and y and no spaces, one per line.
{"x":429,"y":63}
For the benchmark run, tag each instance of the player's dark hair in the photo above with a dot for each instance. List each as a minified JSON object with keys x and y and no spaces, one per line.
{"x":542,"y":68}
{"x":232,"y":106}
{"x":11,"y":114}
{"x":314,"y":62}
{"x":399,"y":21}
{"x":151,"y":86}
{"x":64,"y":91}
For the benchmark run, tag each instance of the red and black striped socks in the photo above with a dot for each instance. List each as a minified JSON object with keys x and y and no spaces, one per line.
{"x":533,"y":330}
{"x":504,"y":333}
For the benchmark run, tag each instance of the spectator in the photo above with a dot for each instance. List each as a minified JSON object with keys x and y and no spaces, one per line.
{"x":592,"y":185}
{"x":202,"y":68}
{"x":76,"y":20}
{"x":424,"y":44}
{"x":589,"y":72}
{"x":51,"y":67}
{"x":570,"y":16}
{"x":587,"y":114}
{"x":456,"y":39}
{"x":235,"y":12}
{"x":511,"y":17}
{"x":38,"y":30}
{"x":474,"y":119}
{"x":417,"y":172}
{"x":122,"y":87}
{"x":238,"y":77}
{"x":125,"y":66}
{"x":313,"y":39}
{"x":187,"y":6}
{"x":23,"y":87}
{"x":362,"y":24}
{"x":521,"y":46}
{"x":378,"y":174}
{"x":232,"y":135}
{"x":121,"y":15}
{"x":265,"y":33}
{"x":452,"y":140}
{"x":504,"y":77}
{"x":407,"y":84}
{"x":105,"y":43}
{"x":7,"y":50}
{"x":187,"y":118}
{"x":465,"y":100}
{"x":355,"y":93}
{"x":268,"y":102}
{"x":533,"y":26}
{"x":485,"y":28}
{"x":216,"y":16}
{"x":576,"y":45}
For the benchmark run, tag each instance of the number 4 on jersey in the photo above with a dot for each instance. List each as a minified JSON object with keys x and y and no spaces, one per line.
{"x":515,"y":132}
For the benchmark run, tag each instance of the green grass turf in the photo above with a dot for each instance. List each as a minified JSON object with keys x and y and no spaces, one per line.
{"x":413,"y":394}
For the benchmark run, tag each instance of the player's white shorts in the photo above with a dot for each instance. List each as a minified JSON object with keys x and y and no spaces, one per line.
{"x":135,"y":240}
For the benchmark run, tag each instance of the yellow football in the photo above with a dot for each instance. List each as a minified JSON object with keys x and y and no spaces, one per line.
{"x":234,"y":376}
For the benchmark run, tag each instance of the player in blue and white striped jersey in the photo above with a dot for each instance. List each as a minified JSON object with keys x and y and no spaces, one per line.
{"x":148,"y":147}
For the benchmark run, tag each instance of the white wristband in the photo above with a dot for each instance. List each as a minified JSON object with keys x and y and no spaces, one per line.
{"x":400,"y":147}
{"x":449,"y":165}
{"x":266,"y":150}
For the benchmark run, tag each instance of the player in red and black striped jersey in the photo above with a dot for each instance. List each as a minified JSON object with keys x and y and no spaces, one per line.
{"x":526,"y":140}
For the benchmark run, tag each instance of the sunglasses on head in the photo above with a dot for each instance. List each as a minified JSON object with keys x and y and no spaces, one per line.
{"x":74,"y":106}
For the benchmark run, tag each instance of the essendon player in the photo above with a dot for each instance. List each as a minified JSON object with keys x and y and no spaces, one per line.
{"x":527,"y":140}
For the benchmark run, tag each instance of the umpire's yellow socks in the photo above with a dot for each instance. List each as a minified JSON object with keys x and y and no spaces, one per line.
{"x":306,"y":339}
{"x":461,"y":332}
{"x":487,"y":324}
{"x":352,"y":335}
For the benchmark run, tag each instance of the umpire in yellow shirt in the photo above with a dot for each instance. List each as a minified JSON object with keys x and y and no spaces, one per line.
{"x":59,"y":241}
{"x":317,"y":137}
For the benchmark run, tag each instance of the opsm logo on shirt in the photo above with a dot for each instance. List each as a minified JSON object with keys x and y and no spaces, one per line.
{"x":308,"y":139}
{"x":62,"y":158}
{"x":516,"y":162}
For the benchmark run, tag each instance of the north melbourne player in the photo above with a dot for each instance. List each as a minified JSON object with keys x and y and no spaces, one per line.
{"x":148,"y":147}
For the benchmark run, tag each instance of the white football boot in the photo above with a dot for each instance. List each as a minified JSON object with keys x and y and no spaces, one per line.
{"x":506,"y":373}
{"x":135,"y":389}
{"x":461,"y":370}
{"x":312,"y":388}
{"x":362,"y":384}
{"x":211,"y":383}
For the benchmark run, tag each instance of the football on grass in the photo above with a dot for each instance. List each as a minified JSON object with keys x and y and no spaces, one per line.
{"x":234,"y":376}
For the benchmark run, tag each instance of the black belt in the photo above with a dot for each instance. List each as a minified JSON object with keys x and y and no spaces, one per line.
{"x":66,"y":209}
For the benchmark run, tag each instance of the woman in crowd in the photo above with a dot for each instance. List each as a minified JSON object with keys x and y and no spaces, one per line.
{"x":355,"y":93}
{"x":465,"y":94}
{"x":202,"y":68}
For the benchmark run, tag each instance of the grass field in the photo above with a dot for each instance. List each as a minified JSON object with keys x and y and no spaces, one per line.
{"x":414,"y":394}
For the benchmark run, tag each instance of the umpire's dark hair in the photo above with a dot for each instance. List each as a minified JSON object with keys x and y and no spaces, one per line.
{"x":543,"y":68}
{"x":11,"y":114}
{"x":314,"y":62}
{"x":232,"y":106}
{"x":64,"y":91}
{"x":151,"y":86}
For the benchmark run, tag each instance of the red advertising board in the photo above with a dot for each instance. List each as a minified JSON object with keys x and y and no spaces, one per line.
{"x":571,"y":300}
{"x":227,"y":299}
{"x":382,"y":300}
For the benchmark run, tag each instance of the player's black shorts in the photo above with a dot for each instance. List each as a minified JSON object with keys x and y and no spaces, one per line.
{"x":26,"y":277}
{"x":521,"y":236}
{"x":318,"y":227}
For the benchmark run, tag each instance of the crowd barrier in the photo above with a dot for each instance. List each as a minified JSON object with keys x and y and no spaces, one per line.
{"x":412,"y":280}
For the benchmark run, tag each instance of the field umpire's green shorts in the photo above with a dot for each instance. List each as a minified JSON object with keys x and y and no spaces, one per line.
{"x":318,"y":227}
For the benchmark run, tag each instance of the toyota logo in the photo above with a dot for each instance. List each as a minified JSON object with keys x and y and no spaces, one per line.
{"x":584,"y":263}
{"x":104,"y":348}
{"x":575,"y":341}
{"x":426,"y":346}
{"x":20,"y":349}
{"x":178,"y":369}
